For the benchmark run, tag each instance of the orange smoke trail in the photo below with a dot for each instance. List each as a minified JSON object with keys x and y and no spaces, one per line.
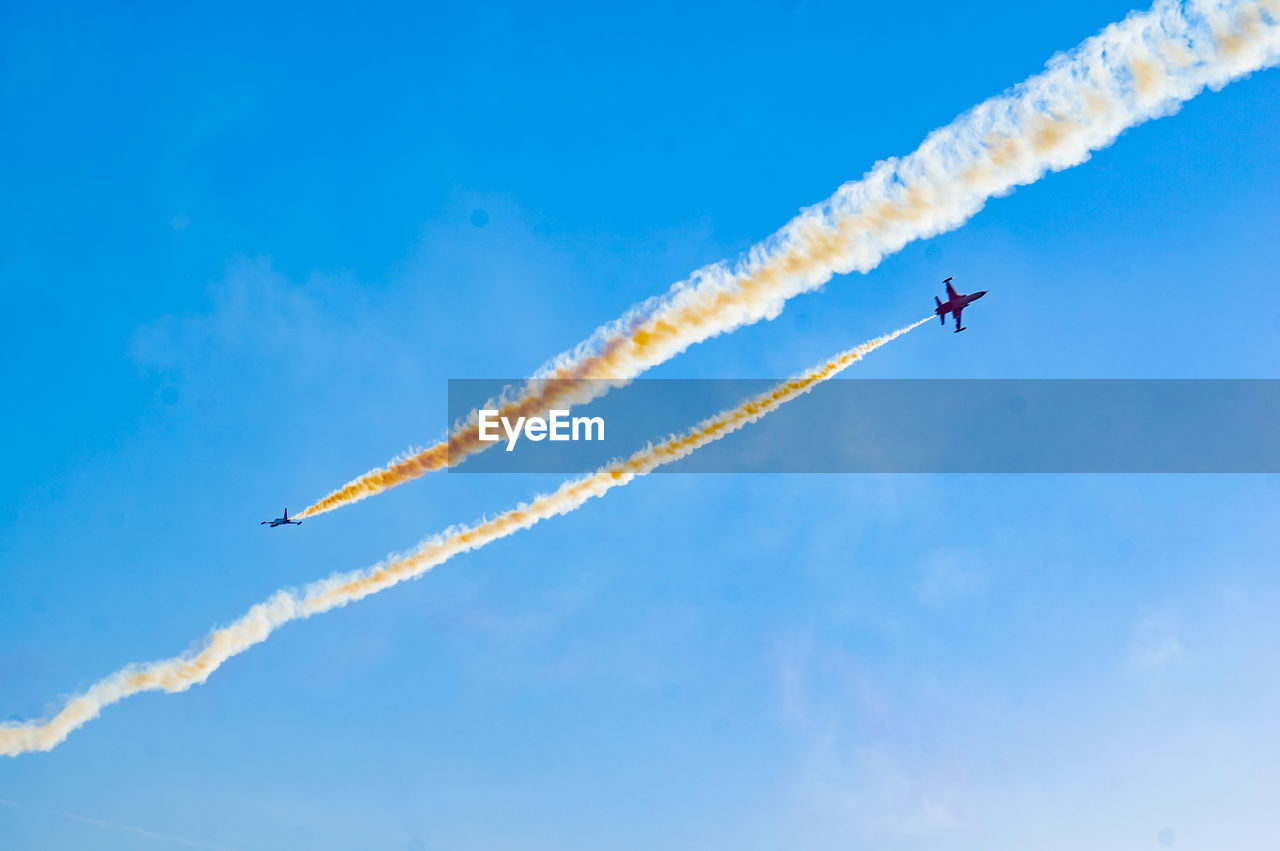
{"x":1141,"y":68}
{"x":181,"y":672}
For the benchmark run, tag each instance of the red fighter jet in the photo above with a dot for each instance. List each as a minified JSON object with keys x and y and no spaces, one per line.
{"x":955,"y":303}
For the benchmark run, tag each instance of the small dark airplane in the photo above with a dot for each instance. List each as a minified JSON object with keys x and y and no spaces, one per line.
{"x":281,"y":521}
{"x":955,"y":303}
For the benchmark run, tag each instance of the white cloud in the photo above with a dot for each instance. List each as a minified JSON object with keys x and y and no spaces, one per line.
{"x":1155,"y":642}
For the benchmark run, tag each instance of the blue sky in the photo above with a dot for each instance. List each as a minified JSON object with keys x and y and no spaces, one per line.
{"x":241,"y":254}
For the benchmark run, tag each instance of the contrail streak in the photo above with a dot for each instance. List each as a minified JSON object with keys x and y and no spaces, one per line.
{"x":110,"y":825}
{"x":1141,"y":68}
{"x":181,"y":672}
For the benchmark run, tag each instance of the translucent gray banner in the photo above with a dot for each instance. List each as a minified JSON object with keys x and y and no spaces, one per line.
{"x":910,"y":426}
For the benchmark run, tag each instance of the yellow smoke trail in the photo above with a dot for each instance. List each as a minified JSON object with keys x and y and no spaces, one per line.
{"x":181,"y":672}
{"x":1141,"y":68}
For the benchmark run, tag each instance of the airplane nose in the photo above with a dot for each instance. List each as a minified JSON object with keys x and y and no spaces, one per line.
{"x":980,"y":293}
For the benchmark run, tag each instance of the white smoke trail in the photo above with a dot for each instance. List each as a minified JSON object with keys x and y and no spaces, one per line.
{"x":1141,"y":68}
{"x":181,"y":672}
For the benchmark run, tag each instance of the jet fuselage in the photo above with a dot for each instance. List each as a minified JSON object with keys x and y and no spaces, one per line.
{"x":955,"y":304}
{"x":960,"y":302}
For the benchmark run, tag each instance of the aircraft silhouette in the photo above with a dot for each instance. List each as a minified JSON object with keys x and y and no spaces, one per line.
{"x":955,"y":303}
{"x":281,"y":521}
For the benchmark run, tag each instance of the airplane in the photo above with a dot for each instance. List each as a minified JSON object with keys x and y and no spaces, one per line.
{"x":955,"y":303}
{"x":281,"y":521}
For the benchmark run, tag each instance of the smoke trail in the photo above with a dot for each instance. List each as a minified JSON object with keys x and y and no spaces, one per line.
{"x":181,"y":672}
{"x":1141,"y":68}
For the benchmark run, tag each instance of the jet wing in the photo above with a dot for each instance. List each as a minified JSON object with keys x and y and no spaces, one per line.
{"x":951,"y":291}
{"x":956,"y":313}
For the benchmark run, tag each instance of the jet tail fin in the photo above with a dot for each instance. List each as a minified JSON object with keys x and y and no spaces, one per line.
{"x":941,"y":318}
